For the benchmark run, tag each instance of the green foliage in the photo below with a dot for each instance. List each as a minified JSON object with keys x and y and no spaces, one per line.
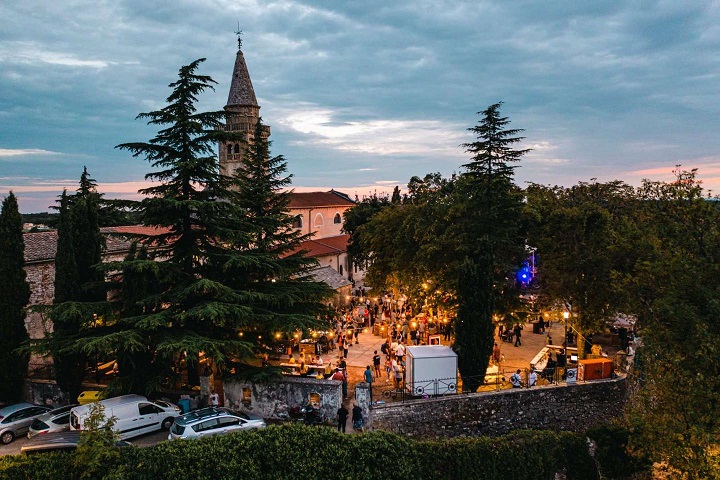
{"x":224,"y":261}
{"x":297,"y":451}
{"x":675,"y":287}
{"x":97,"y":453}
{"x":583,"y":236}
{"x":490,"y":236}
{"x":474,"y":325}
{"x":357,"y":216}
{"x":14,"y":297}
{"x":612,"y":453}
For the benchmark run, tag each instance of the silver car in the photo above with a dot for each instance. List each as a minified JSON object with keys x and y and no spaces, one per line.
{"x":16,"y":420}
{"x":56,"y":420}
{"x":213,"y":421}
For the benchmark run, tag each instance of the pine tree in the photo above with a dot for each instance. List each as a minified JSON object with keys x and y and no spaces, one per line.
{"x":396,"y":195}
{"x":490,"y":236}
{"x":14,"y":297}
{"x":286,"y":299}
{"x":219,"y":266}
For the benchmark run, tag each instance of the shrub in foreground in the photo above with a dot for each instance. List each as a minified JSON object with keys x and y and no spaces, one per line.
{"x":297,"y":451}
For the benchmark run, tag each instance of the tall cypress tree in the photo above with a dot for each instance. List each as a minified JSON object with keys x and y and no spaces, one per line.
{"x":87,"y":239}
{"x":491,"y":237}
{"x":14,"y":297}
{"x":67,"y":318}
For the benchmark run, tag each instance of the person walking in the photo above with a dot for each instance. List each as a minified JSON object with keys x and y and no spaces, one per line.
{"x":342,"y":416}
{"x":496,"y":354}
{"x":518,"y":333}
{"x":369,"y":381}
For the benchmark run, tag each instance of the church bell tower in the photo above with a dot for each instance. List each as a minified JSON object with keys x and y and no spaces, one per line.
{"x":242,"y":113}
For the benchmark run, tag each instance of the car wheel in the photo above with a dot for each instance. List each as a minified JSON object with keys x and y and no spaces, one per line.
{"x":167,"y":423}
{"x":6,"y":438}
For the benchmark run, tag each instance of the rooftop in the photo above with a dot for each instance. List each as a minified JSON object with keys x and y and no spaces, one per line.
{"x":332,"y":198}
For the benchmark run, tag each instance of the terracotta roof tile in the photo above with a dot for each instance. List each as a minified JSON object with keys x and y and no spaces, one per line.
{"x":320,"y":199}
{"x":324,"y":246}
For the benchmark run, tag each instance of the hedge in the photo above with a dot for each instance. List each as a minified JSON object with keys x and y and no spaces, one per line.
{"x":300,"y":452}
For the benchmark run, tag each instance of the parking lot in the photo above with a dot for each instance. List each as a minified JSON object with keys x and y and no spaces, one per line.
{"x":143,"y":441}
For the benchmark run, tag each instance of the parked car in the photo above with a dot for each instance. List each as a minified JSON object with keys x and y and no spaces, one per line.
{"x":16,"y":420}
{"x":134,"y":415}
{"x":213,"y":421}
{"x":57,"y":441}
{"x":53,"y":421}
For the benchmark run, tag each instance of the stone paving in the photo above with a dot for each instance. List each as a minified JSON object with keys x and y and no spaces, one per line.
{"x":360,"y":354}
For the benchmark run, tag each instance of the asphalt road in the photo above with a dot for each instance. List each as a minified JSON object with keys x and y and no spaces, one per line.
{"x":147,"y":440}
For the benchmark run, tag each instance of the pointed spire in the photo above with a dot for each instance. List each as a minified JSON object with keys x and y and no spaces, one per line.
{"x":242,"y":93}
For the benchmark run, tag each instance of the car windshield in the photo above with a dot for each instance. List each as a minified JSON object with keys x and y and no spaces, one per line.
{"x":177,"y":429}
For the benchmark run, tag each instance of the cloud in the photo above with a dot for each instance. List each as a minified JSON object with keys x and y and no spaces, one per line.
{"x":373,"y":136}
{"x":17,"y":152}
{"x":29,"y":53}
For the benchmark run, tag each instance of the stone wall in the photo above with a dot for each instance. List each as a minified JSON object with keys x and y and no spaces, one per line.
{"x":272,"y":400}
{"x":554,"y":407}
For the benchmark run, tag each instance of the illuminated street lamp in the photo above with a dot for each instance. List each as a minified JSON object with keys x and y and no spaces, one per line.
{"x":566,"y":315}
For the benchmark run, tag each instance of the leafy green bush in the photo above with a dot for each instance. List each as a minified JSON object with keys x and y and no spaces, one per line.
{"x":612,"y":453}
{"x":299,"y":452}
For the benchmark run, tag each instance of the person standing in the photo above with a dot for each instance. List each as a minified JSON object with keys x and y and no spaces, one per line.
{"x":532,"y":379}
{"x":376,"y":364}
{"x":357,"y":417}
{"x":342,"y":415}
{"x":369,"y":380}
{"x":518,"y":333}
{"x":496,"y":354}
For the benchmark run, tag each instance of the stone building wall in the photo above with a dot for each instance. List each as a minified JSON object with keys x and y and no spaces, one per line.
{"x":272,"y":400}
{"x":556,"y":407}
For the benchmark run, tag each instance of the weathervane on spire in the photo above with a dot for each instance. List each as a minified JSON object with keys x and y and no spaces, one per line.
{"x":238,"y":32}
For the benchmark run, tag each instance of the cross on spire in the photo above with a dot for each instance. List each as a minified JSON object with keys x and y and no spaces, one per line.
{"x":239,"y":33}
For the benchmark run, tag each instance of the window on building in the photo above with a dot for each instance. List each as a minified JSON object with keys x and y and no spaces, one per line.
{"x":341,"y":269}
{"x":237,"y":148}
{"x":229,"y":149}
{"x":297,"y":221}
{"x":319,"y":221}
{"x":337,"y":219}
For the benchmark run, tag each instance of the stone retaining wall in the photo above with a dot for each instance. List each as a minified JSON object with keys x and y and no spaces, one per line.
{"x":272,"y":400}
{"x":554,"y":407}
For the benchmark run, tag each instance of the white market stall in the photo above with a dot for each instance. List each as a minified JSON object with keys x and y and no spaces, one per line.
{"x":431,"y":370}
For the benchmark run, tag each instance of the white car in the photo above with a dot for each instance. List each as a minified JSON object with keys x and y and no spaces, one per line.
{"x":57,"y":420}
{"x":213,"y":421}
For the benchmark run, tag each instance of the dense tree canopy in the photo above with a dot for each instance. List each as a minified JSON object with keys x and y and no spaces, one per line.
{"x":221,"y":267}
